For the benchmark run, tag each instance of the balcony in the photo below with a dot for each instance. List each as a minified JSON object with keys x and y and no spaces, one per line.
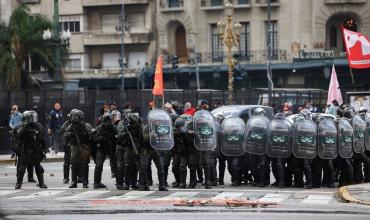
{"x":100,"y":73}
{"x":333,"y":2}
{"x":114,"y":37}
{"x":263,"y":3}
{"x":89,"y":3}
{"x":29,"y":1}
{"x":251,"y":57}
{"x":171,"y":5}
{"x":212,"y":4}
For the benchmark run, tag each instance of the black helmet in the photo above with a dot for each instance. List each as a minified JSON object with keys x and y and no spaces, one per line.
{"x":279,"y":116}
{"x":106,"y":118}
{"x":77,"y":115}
{"x":179,"y":123}
{"x":173,"y":117}
{"x":259,"y":111}
{"x":133,"y":118}
{"x":307,"y":114}
{"x":30,"y":116}
{"x":348,"y":112}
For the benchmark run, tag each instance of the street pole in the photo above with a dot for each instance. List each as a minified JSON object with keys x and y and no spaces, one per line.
{"x":122,"y":62}
{"x":57,"y":77}
{"x":196,"y":68}
{"x":269,"y":53}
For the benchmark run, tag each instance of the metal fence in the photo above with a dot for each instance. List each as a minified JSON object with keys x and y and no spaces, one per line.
{"x":91,"y":101}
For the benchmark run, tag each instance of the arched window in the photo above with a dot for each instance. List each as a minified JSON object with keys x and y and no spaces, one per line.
{"x":333,"y":37}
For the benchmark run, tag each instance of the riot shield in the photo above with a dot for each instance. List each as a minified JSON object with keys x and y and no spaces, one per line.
{"x":345,"y":138}
{"x":160,"y":130}
{"x":367,"y":133}
{"x":232,"y":136}
{"x":359,"y":128}
{"x":216,"y":152}
{"x":327,"y":139}
{"x":255,"y":135}
{"x":304,"y":139}
{"x":204,"y":128}
{"x":279,"y":138}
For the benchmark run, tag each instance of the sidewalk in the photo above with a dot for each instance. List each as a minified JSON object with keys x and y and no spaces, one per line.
{"x":5,"y":158}
{"x":359,"y":193}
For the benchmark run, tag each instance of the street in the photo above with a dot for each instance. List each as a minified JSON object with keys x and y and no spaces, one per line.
{"x":60,"y":202}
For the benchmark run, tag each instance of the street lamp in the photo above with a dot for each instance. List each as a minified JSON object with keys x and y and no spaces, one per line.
{"x":230,"y":36}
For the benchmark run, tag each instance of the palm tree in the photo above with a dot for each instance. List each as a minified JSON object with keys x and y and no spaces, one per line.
{"x":19,"y":39}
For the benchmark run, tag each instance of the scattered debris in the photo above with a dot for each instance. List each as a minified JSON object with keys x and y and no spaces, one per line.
{"x":225,"y":202}
{"x":344,"y":195}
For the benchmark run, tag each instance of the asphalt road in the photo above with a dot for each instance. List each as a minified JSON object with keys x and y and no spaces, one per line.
{"x":59,"y":202}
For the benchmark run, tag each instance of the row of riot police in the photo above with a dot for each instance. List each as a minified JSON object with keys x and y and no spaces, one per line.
{"x":314,"y":148}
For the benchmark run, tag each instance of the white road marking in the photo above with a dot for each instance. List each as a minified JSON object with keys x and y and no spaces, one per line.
{"x":38,"y":194}
{"x":228,"y":195}
{"x":278,"y":197}
{"x":179,"y":195}
{"x":84,"y":195}
{"x":317,"y":199}
{"x":6,"y":192}
{"x":132,"y":195}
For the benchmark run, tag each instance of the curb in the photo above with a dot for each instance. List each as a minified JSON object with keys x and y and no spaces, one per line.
{"x":49,"y":160}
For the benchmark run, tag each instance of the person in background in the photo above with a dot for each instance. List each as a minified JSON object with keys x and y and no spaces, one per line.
{"x":177,"y":108}
{"x":168,"y":108}
{"x":102,"y":112}
{"x":333,"y":108}
{"x":287,"y":109}
{"x":56,"y":122}
{"x":188,"y":109}
{"x":113,"y":106}
{"x":15,"y":119}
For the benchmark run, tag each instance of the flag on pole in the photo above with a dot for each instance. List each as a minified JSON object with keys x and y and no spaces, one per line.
{"x":358,"y":49}
{"x":334,"y":91}
{"x":158,"y":78}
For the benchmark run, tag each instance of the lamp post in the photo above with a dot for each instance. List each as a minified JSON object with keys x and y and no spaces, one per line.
{"x":55,"y":39}
{"x":122,"y":57}
{"x":230,"y":36}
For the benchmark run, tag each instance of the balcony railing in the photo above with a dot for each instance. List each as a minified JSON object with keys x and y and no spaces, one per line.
{"x":250,"y":56}
{"x":171,"y":5}
{"x":345,"y":1}
{"x":114,"y":37}
{"x":112,"y":2}
{"x":100,"y":73}
{"x":211,"y":4}
{"x":29,"y":1}
{"x":263,"y":3}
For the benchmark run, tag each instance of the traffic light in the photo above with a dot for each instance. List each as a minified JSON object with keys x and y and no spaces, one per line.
{"x":175,"y":62}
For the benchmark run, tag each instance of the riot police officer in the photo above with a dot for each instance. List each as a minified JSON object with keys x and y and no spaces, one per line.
{"x":31,"y":147}
{"x":78,"y":136}
{"x":105,"y":138}
{"x":180,"y":152}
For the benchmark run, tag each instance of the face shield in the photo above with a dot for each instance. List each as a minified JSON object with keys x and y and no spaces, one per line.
{"x":116,"y":115}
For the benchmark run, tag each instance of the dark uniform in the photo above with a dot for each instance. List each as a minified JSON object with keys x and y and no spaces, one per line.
{"x":31,"y":147}
{"x":78,"y":136}
{"x":180,"y":158}
{"x":105,"y":136}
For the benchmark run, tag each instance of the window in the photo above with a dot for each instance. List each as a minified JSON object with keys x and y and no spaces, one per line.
{"x":173,"y":3}
{"x":217,"y":48}
{"x":71,"y":23}
{"x":274,"y":39}
{"x":243,"y":2}
{"x":136,"y":20}
{"x":245,"y":41}
{"x":333,"y":37}
{"x":216,"y":2}
{"x":110,"y":60}
{"x":73,"y":65}
{"x":110,"y":21}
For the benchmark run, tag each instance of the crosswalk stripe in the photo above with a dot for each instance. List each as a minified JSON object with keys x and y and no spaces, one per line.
{"x":278,"y":197}
{"x":228,"y":195}
{"x":131,"y":195}
{"x":38,"y":194}
{"x":6,"y":192}
{"x":84,"y":195}
{"x":179,"y":195}
{"x":317,"y":199}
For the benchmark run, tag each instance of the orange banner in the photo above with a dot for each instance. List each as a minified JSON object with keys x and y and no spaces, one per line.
{"x":158,"y":78}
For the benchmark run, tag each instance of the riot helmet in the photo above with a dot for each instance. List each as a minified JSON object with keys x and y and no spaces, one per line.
{"x":259,"y":112}
{"x":71,"y":112}
{"x":77,"y":116}
{"x":133,"y":119}
{"x":179,"y":123}
{"x":348,"y":113}
{"x":116,"y":115}
{"x":307,"y":114}
{"x":106,"y":118}
{"x":30,"y":116}
{"x":279,"y":116}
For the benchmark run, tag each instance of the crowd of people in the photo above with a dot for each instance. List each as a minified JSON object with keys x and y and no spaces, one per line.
{"x":124,"y":137}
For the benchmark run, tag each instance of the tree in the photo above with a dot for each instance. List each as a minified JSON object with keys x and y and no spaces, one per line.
{"x":19,"y":39}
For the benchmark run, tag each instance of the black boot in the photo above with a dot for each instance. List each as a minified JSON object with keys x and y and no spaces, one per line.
{"x":74,"y":173}
{"x":193,"y":178}
{"x":119,"y":178}
{"x":85,"y":176}
{"x":65,"y":174}
{"x":207,"y":177}
{"x":161,"y":178}
{"x":41,"y":184}
{"x":182,"y":178}
{"x":18,"y":185}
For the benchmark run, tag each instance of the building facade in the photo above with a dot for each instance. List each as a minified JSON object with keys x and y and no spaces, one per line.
{"x":306,"y":41}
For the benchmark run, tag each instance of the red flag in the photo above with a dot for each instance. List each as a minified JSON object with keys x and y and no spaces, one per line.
{"x":358,"y":49}
{"x":158,"y":78}
{"x":334,"y":91}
